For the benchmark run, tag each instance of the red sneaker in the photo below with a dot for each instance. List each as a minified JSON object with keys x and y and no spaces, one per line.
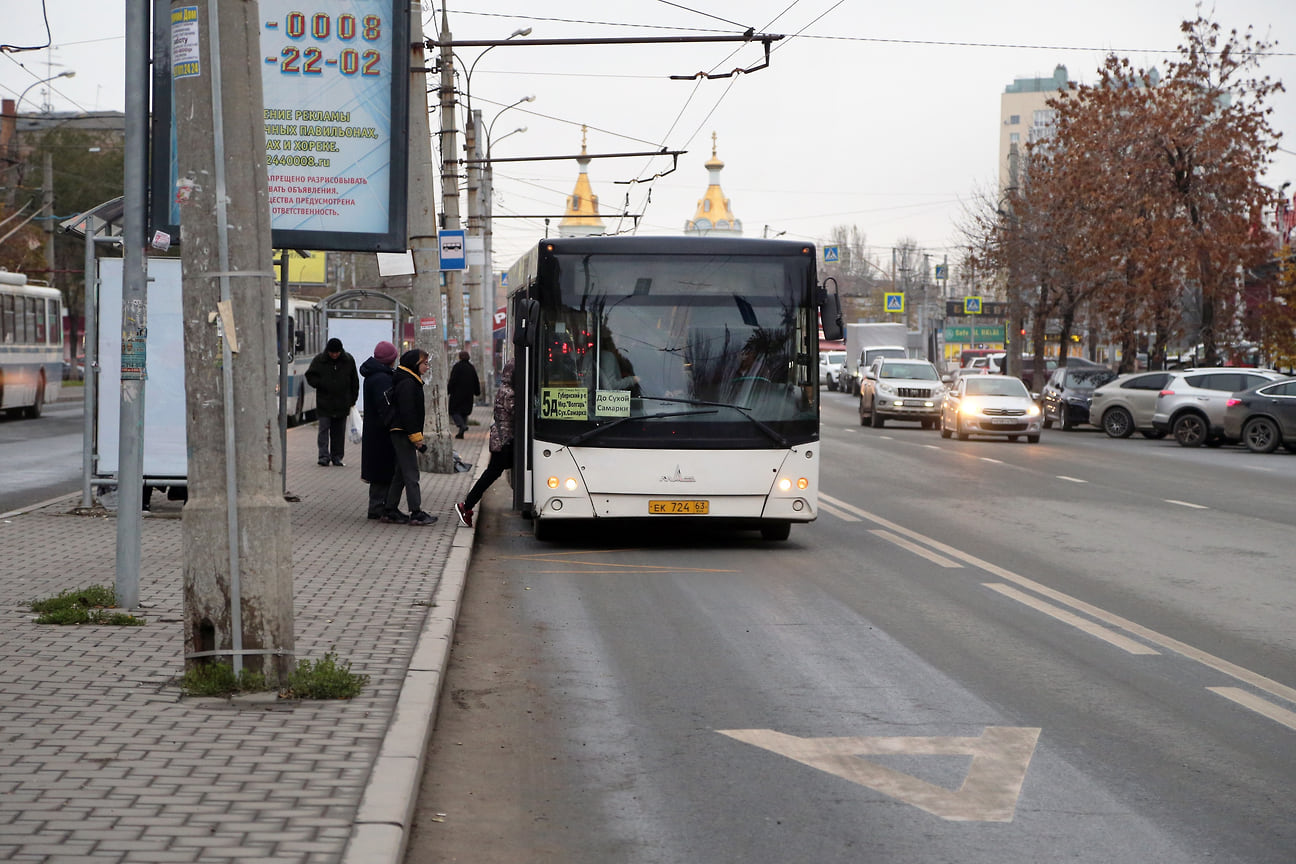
{"x":465,"y":515}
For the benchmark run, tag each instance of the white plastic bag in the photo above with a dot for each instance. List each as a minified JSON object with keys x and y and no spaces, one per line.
{"x":353,"y":425}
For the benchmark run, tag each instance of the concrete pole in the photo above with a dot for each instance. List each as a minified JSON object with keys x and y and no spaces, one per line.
{"x":237,"y":541}
{"x":489,"y":301}
{"x":473,"y":282}
{"x":449,"y":173}
{"x":423,"y":244}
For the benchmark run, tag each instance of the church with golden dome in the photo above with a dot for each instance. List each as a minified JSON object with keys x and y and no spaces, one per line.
{"x":581,"y":218}
{"x":714,"y":216}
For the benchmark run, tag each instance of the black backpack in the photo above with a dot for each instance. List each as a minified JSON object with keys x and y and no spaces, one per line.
{"x":387,"y":408}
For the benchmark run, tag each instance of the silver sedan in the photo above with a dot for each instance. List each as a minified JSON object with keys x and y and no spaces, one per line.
{"x":990,"y":405}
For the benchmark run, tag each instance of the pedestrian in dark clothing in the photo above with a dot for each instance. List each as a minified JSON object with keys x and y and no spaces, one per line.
{"x":407,"y":441}
{"x":337,"y":387}
{"x":462,"y":391}
{"x":377,"y":458}
{"x":500,"y":443}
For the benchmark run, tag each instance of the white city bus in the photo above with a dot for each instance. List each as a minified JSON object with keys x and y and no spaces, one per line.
{"x":31,"y":345}
{"x":668,"y":378}
{"x":306,"y":324}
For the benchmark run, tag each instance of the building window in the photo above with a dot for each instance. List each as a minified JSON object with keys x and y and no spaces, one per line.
{"x":1014,"y":119}
{"x":1044,"y":117}
{"x":1014,"y":137}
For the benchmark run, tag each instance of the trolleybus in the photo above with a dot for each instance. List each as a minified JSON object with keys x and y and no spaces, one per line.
{"x":31,"y":345}
{"x":668,"y":378}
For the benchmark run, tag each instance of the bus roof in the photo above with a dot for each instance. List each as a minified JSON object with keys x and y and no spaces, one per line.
{"x":676,"y":245}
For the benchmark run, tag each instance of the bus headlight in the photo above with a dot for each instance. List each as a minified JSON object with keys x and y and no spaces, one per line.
{"x":552,"y":482}
{"x":568,"y":484}
{"x":784,"y":484}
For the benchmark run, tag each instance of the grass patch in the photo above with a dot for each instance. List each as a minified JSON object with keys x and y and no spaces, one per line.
{"x":83,"y":606}
{"x":325,"y":679}
{"x":217,"y":679}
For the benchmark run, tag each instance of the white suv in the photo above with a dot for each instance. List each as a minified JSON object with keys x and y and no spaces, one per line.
{"x":1191,"y":404}
{"x":830,"y":368}
{"x":901,"y":389}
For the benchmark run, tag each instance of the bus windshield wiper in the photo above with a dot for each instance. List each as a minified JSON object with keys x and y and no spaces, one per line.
{"x":759,"y":424}
{"x":599,"y":430}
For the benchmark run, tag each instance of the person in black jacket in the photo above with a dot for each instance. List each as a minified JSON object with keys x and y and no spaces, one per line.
{"x":462,"y":391}
{"x":377,"y":458}
{"x":407,"y":440}
{"x":337,"y":387}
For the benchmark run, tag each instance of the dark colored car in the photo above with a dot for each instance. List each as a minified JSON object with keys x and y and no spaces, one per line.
{"x":1066,"y":396}
{"x":1263,"y":417}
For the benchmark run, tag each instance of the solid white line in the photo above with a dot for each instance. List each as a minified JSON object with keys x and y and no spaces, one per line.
{"x":1246,"y":676}
{"x":991,"y":461}
{"x":1258,"y":705}
{"x":1070,"y":479}
{"x":839,"y":513}
{"x":1122,"y":642}
{"x":933,"y":447}
{"x":915,"y":548}
{"x":1185,"y":504}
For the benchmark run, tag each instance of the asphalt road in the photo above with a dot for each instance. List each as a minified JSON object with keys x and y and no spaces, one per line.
{"x":982,"y":651}
{"x":41,"y":458}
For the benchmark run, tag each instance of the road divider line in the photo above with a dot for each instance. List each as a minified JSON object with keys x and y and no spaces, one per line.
{"x":1185,"y":504}
{"x":1070,"y":479}
{"x":1092,"y":628}
{"x":1258,"y":705}
{"x":914,"y":548}
{"x":991,"y":461}
{"x":1168,"y":643}
{"x":838,"y":512}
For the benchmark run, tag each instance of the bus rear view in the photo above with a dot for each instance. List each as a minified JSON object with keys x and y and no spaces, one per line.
{"x":667,"y":378}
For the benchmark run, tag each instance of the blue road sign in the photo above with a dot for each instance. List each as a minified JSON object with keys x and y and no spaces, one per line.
{"x":971,"y":305}
{"x":452,"y":250}
{"x":894,"y":302}
{"x":830,"y":254}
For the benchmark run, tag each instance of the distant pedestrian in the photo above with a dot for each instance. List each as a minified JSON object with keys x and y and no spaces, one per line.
{"x":500,"y":443}
{"x":377,"y":458}
{"x":462,"y":391}
{"x":337,"y":387}
{"x":407,"y":441}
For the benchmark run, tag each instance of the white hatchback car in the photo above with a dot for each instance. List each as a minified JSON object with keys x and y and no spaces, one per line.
{"x":990,"y":405}
{"x":831,"y":364}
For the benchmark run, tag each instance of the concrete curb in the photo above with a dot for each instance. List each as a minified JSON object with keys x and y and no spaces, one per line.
{"x":380,"y":832}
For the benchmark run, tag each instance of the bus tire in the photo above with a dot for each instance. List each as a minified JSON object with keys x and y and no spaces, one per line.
{"x":541,"y":529}
{"x":38,"y":402}
{"x":775,"y":531}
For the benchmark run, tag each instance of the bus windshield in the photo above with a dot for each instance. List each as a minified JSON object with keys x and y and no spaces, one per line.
{"x":716,"y":349}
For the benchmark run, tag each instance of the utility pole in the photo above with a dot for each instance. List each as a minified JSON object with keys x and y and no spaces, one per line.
{"x":473,"y":282}
{"x":426,"y":250}
{"x":237,"y":541}
{"x":449,"y":170}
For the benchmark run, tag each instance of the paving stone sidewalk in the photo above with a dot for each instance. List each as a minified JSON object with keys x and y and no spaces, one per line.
{"x":102,"y":760}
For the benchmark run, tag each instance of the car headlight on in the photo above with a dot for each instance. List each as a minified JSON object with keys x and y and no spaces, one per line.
{"x":1033,"y":411}
{"x":969,"y":407}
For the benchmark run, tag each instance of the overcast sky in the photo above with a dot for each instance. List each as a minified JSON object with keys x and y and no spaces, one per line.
{"x":879,"y":115}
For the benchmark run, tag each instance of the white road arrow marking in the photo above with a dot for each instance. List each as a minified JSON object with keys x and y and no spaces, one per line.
{"x":1000,"y":757}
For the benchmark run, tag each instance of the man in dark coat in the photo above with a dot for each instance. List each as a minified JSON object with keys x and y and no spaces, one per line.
{"x":462,"y":391}
{"x":407,"y":441}
{"x":377,"y":459}
{"x":337,"y":387}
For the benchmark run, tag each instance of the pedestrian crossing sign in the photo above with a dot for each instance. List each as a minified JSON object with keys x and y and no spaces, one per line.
{"x":894,"y":301}
{"x":830,"y":254}
{"x":971,"y":305}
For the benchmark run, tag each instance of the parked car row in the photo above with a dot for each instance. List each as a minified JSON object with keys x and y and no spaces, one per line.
{"x":1192,"y":405}
{"x":1200,"y":406}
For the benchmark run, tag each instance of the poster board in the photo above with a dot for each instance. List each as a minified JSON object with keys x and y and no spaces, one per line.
{"x":165,"y":452}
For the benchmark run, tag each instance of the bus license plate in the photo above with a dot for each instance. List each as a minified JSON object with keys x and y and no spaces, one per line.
{"x":684,"y":508}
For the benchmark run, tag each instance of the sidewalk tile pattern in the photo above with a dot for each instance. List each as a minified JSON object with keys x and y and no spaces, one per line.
{"x":102,"y":760}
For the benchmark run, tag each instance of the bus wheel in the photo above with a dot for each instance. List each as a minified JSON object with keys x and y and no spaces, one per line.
{"x":775,"y":530}
{"x":34,"y":410}
{"x":541,"y":529}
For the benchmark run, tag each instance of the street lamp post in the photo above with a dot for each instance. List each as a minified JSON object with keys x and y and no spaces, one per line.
{"x":47,"y":182}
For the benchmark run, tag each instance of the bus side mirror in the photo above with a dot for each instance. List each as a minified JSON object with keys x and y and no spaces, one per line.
{"x":830,"y":314}
{"x":527,"y":314}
